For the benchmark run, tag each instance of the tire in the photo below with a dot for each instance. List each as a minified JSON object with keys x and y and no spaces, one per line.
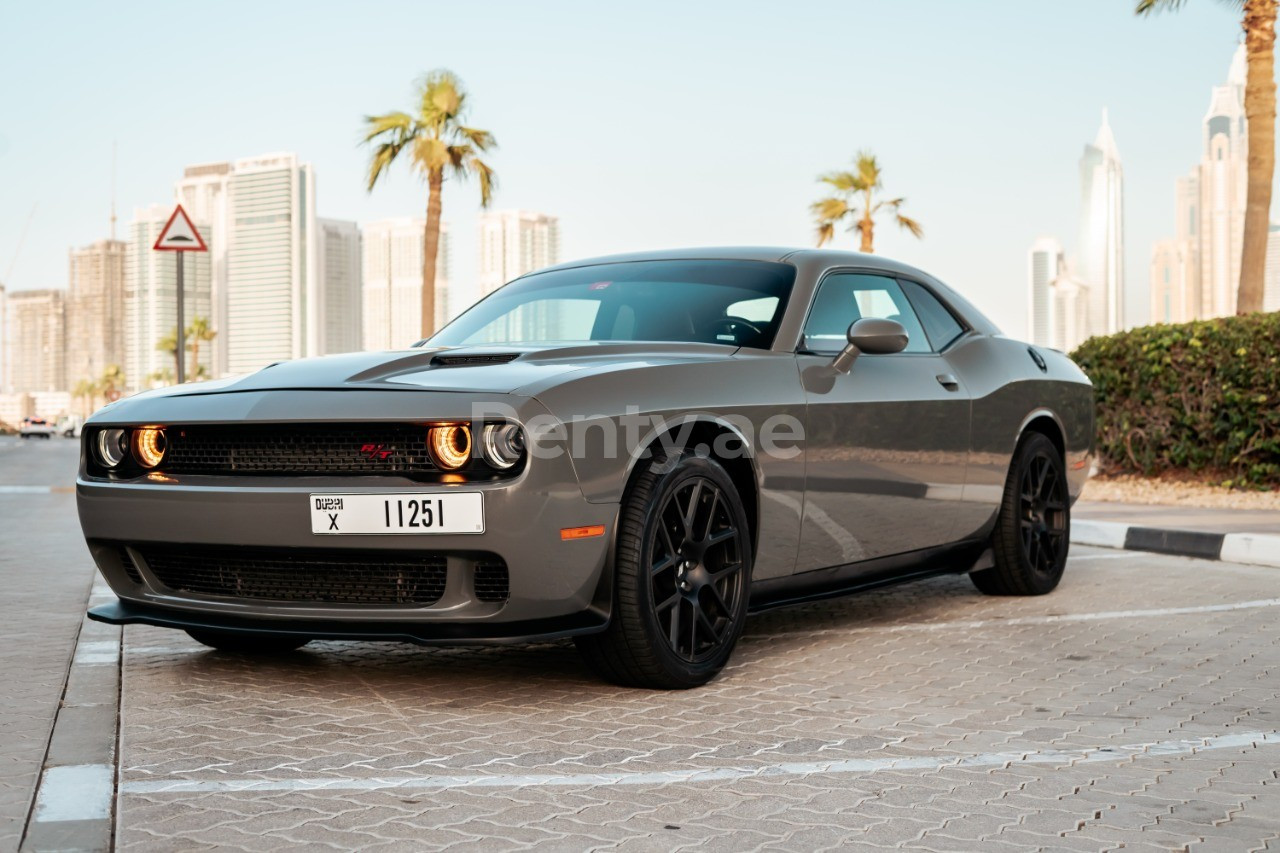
{"x":247,"y":642}
{"x":1033,"y":528}
{"x":677,"y":574}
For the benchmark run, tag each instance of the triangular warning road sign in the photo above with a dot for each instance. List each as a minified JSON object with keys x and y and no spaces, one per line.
{"x":179,"y":235}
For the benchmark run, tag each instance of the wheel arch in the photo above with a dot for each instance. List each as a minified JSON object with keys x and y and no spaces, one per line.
{"x":1047,"y":423}
{"x":736,"y":456}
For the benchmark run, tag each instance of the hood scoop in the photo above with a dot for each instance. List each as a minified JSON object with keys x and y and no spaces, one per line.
{"x":470,"y":360}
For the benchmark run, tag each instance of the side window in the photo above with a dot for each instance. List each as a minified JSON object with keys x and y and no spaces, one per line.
{"x":845,"y":297}
{"x":939,"y":324}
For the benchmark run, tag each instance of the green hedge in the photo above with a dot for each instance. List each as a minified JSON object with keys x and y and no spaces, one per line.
{"x":1200,"y":397}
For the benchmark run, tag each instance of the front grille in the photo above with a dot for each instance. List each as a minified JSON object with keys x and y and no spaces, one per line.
{"x":286,"y":449}
{"x":300,"y":574}
{"x":491,"y":580}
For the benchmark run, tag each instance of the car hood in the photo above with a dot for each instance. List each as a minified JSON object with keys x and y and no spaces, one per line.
{"x":504,"y":369}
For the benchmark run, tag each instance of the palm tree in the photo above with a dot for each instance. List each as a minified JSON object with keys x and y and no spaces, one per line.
{"x":169,"y":344}
{"x":85,"y":390}
{"x":198,"y":331}
{"x":110,"y":381}
{"x":439,"y":144}
{"x":1259,"y":24}
{"x":855,"y":198}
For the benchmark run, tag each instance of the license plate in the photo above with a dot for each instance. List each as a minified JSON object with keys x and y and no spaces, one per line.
{"x":456,"y":512}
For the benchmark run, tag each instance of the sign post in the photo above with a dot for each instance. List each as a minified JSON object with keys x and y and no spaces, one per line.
{"x":179,"y":235}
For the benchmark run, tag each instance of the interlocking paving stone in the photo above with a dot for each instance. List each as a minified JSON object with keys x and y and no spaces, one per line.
{"x":849,"y":679}
{"x":46,"y":574}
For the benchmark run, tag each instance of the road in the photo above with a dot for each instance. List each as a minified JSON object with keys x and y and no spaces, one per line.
{"x":1136,"y":707}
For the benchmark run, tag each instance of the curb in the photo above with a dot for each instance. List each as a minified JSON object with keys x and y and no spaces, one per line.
{"x":74,"y":801}
{"x":1255,"y":549}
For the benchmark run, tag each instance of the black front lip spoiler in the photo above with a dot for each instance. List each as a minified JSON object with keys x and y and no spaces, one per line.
{"x":422,"y":633}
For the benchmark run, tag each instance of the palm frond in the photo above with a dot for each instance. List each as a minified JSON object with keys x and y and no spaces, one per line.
{"x":826,"y":231}
{"x":379,"y":164}
{"x":457,"y":156}
{"x":488,"y":181}
{"x":830,"y":209}
{"x":440,"y":97}
{"x":430,"y":153}
{"x":842,"y":181}
{"x":868,"y":170}
{"x":396,"y":122}
{"x":482,"y":139}
{"x":909,"y":224}
{"x":1146,"y":7}
{"x":436,"y":138}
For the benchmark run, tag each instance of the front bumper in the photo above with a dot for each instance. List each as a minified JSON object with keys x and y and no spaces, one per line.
{"x":555,"y":587}
{"x":423,"y":632}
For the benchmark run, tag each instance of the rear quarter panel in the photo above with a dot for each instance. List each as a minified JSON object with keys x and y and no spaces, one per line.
{"x":1009,"y":391}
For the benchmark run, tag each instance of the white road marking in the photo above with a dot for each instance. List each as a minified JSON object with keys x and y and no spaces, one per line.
{"x":25,"y":490}
{"x":1050,"y":619}
{"x":1123,"y":555}
{"x":1248,"y":740}
{"x":97,"y":652}
{"x":75,"y":792}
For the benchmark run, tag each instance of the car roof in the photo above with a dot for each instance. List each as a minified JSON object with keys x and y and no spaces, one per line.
{"x":805,"y":257}
{"x":744,"y":253}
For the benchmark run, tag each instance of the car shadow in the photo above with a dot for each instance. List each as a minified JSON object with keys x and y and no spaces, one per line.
{"x":549,"y":673}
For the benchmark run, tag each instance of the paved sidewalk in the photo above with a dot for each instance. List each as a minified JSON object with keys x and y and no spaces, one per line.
{"x":1181,"y":517}
{"x":46,"y":574}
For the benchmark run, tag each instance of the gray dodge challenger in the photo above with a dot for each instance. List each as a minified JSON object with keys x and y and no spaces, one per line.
{"x":633,"y":451}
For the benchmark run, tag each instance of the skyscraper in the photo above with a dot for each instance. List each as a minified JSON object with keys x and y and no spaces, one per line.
{"x":273,"y":301}
{"x":1100,"y":259}
{"x":95,"y":310}
{"x":260,"y":212}
{"x":1271,"y":288}
{"x":1223,"y":180}
{"x":36,"y":340}
{"x":202,"y":192}
{"x":1070,"y":298}
{"x":1045,"y":262}
{"x":1203,"y":262}
{"x":341,"y":329}
{"x":1170,"y":266}
{"x":150,"y":300}
{"x":391,"y":267}
{"x":515,"y":242}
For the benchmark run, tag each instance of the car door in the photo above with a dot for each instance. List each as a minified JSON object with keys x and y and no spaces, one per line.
{"x":886,"y":443}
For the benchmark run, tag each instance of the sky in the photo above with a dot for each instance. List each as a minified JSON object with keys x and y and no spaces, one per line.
{"x":641,"y":126}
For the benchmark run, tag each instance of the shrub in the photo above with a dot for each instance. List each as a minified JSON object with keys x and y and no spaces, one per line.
{"x":1201,"y":397}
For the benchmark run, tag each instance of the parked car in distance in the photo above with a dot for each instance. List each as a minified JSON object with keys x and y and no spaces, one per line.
{"x":593,"y":451}
{"x":36,"y":428}
{"x":70,"y":426}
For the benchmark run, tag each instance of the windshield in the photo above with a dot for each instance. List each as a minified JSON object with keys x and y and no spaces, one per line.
{"x":736,"y":303}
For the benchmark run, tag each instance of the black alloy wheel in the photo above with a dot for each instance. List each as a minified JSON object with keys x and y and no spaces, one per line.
{"x":696,"y":569}
{"x":1033,"y":528}
{"x":682,"y":577}
{"x":1042,"y":513}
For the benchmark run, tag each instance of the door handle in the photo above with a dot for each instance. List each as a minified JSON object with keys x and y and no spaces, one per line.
{"x":946,"y":380}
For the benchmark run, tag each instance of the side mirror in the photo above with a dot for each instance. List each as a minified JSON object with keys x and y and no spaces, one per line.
{"x":873,"y":335}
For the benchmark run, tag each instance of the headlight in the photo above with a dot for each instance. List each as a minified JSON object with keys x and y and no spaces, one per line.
{"x":148,"y":446}
{"x":451,"y":446}
{"x":503,"y":444}
{"x":111,"y":446}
